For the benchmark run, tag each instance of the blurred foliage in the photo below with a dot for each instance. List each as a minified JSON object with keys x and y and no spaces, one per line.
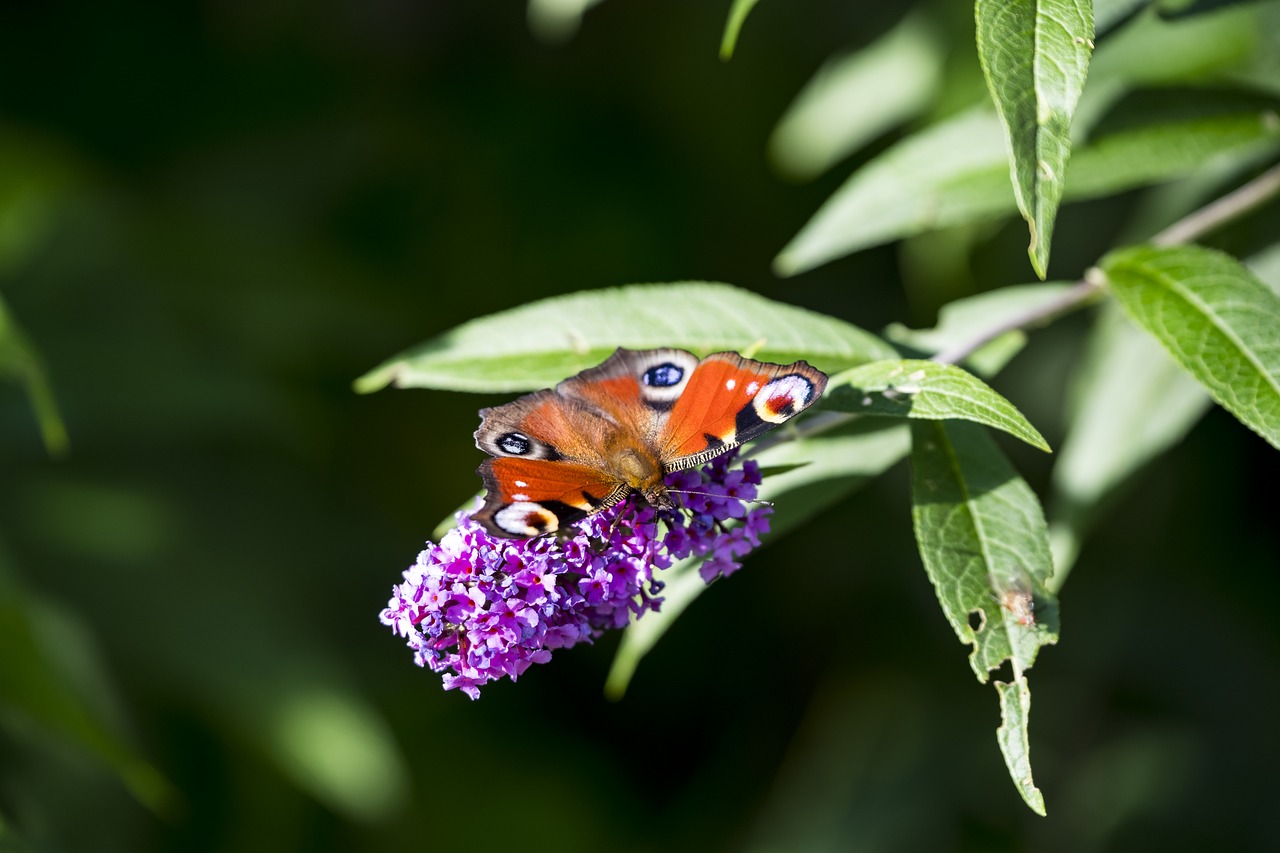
{"x":214,"y":216}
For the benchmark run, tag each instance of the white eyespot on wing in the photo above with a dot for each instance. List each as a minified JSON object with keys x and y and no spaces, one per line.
{"x":524,"y":518}
{"x":663,"y":375}
{"x":782,"y":398}
{"x":730,"y":384}
{"x":752,"y":387}
{"x":501,"y":432}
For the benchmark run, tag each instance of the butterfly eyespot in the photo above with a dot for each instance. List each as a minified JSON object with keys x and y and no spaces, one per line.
{"x":782,"y":398}
{"x":663,"y":375}
{"x":515,"y":443}
{"x":526,"y":519}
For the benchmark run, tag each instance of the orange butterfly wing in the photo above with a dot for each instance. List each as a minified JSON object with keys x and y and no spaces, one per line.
{"x":730,"y":400}
{"x":528,"y":497}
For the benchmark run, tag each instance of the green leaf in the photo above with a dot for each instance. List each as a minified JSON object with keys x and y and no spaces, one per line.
{"x":955,"y":172}
{"x":1215,"y":317}
{"x":36,"y":176}
{"x":1130,"y":403}
{"x":964,"y":319}
{"x":1152,"y":51}
{"x":983,"y":542}
{"x":1188,"y":8}
{"x":949,"y":173}
{"x":1015,"y":745}
{"x":1109,"y":13}
{"x":20,"y":361}
{"x":333,"y":743}
{"x":981,"y":534}
{"x":1159,"y":135}
{"x":820,"y":471}
{"x":856,"y":97}
{"x":733,"y":26}
{"x":928,"y":390}
{"x":1035,"y":56}
{"x":538,"y":344}
{"x":45,"y":654}
{"x":557,"y":21}
{"x":683,"y":585}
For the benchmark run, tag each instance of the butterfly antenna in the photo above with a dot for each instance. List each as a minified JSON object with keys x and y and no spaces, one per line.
{"x":759,"y":501}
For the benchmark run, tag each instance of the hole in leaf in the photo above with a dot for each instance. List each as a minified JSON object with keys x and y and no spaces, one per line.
{"x":977,"y":619}
{"x":1004,"y":672}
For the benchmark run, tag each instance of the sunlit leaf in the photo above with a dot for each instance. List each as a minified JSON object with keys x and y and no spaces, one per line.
{"x":912,"y":388}
{"x":557,"y":21}
{"x":952,"y":172}
{"x":1215,"y":317}
{"x":1159,"y":135}
{"x":1035,"y":56}
{"x":981,"y":534}
{"x":955,"y":172}
{"x":543,"y":342}
{"x":854,"y":98}
{"x":1151,"y":50}
{"x":733,"y":26}
{"x":982,"y":538}
{"x":338,"y":748}
{"x":1015,"y":744}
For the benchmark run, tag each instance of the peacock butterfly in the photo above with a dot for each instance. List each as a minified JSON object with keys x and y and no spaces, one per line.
{"x":563,"y":453}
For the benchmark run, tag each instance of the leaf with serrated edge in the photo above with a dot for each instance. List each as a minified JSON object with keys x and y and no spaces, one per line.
{"x":1215,"y":317}
{"x":912,"y":388}
{"x":981,"y":534}
{"x":539,"y":344}
{"x":1015,"y":742}
{"x":1035,"y":56}
{"x":822,"y":470}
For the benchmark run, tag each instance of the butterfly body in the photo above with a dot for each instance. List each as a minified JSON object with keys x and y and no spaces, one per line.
{"x":564,"y":453}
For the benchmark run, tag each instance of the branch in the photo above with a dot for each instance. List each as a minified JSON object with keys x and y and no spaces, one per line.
{"x":1079,"y":294}
{"x":1190,"y":227}
{"x":1235,"y":203}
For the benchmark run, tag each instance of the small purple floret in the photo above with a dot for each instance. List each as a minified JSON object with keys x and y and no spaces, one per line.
{"x":477,"y":608}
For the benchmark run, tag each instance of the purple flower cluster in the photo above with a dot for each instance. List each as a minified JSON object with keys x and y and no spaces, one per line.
{"x":476,"y":607}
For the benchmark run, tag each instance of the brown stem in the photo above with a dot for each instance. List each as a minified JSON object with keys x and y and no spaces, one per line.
{"x":1190,"y":227}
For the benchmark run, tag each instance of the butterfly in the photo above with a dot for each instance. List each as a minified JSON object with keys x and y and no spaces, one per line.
{"x":567,"y":452}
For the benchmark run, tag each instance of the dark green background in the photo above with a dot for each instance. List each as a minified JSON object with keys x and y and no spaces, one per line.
{"x":250,"y":204}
